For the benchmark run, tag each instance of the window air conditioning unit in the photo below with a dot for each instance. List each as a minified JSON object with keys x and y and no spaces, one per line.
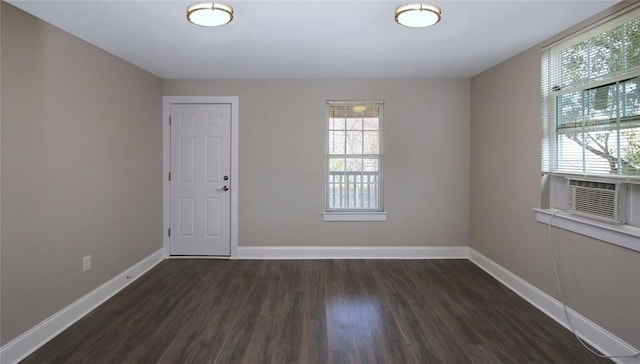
{"x":600,"y":200}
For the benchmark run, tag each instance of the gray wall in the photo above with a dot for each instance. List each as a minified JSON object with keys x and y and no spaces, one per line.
{"x":600,"y":280}
{"x":281,"y":157}
{"x":81,"y":168}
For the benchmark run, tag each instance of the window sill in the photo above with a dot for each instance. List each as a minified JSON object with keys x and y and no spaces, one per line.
{"x":622,"y":235}
{"x":354,"y":216}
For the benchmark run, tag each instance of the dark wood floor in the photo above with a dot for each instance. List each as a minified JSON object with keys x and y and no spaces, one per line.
{"x":324,"y":311}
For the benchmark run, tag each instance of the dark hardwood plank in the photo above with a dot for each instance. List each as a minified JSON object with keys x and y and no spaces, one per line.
{"x":322,"y":311}
{"x":199,"y":337}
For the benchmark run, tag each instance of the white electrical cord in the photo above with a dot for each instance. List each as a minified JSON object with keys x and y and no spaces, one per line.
{"x":564,"y":306}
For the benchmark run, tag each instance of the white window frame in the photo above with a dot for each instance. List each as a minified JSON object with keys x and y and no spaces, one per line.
{"x":553,"y":198}
{"x":551,"y":59}
{"x":355,"y":214}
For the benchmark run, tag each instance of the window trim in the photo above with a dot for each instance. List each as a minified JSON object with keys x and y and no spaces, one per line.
{"x":354,"y":216}
{"x":351,"y":214}
{"x":625,"y":236}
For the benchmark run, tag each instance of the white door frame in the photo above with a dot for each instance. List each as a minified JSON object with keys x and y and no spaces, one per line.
{"x":166,"y":159}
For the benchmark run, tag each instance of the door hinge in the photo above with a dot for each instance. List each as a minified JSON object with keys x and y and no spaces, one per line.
{"x":169,"y":232}
{"x":169,"y":120}
{"x":169,"y":176}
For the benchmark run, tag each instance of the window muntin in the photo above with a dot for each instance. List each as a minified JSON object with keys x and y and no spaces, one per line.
{"x":591,"y":102}
{"x":354,"y":157}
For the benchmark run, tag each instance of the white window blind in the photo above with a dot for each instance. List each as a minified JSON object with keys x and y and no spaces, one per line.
{"x":354,"y":157}
{"x":591,"y":101}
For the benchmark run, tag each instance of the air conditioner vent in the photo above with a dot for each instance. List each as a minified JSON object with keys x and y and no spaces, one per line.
{"x":597,"y":199}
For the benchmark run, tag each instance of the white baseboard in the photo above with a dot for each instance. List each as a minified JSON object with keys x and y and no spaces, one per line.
{"x":20,"y":347}
{"x":595,"y":335}
{"x":352,"y":252}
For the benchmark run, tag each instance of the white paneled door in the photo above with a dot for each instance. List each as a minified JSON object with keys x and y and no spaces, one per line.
{"x":200,"y":179}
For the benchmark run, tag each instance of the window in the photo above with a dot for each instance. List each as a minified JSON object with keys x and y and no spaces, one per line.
{"x":591,"y":102}
{"x":591,"y":131}
{"x":354,"y":157}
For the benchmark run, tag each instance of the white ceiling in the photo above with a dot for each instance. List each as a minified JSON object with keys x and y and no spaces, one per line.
{"x":314,"y":39}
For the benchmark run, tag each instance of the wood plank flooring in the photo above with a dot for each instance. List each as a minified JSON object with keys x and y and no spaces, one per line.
{"x":315,"y":311}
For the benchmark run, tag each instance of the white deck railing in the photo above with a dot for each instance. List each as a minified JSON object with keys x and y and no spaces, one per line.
{"x":353,"y":190}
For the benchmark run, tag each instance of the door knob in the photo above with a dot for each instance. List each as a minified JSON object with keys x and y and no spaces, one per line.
{"x":224,"y":188}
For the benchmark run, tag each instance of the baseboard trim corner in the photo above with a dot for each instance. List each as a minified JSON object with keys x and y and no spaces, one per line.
{"x":599,"y":338}
{"x":352,"y":252}
{"x":25,"y":344}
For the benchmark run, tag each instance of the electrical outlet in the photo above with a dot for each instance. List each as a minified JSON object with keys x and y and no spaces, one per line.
{"x":86,"y":263}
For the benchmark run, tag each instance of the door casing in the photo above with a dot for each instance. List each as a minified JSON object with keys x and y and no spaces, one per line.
{"x":166,"y":159}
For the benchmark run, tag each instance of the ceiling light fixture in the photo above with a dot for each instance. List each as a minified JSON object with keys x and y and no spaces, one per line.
{"x":417,"y":15}
{"x":209,"y":14}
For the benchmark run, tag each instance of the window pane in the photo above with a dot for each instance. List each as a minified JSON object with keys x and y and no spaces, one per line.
{"x":616,"y":46}
{"x":370,"y":165}
{"x":601,"y":106}
{"x":371,"y":124}
{"x":335,"y":190}
{"x":630,"y":151}
{"x":336,"y":164}
{"x":354,"y":191}
{"x":354,"y":124}
{"x":354,"y":164}
{"x":630,"y":98}
{"x":371,"y":142}
{"x":336,"y":124}
{"x":354,"y":142}
{"x":611,"y":52}
{"x":601,"y":152}
{"x":336,"y":142}
{"x":632,"y":43}
{"x":570,"y":152}
{"x":601,"y":57}
{"x":569,"y":110}
{"x":574,"y":63}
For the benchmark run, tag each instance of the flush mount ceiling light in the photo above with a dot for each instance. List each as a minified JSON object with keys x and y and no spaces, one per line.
{"x":417,"y":15}
{"x":209,"y":14}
